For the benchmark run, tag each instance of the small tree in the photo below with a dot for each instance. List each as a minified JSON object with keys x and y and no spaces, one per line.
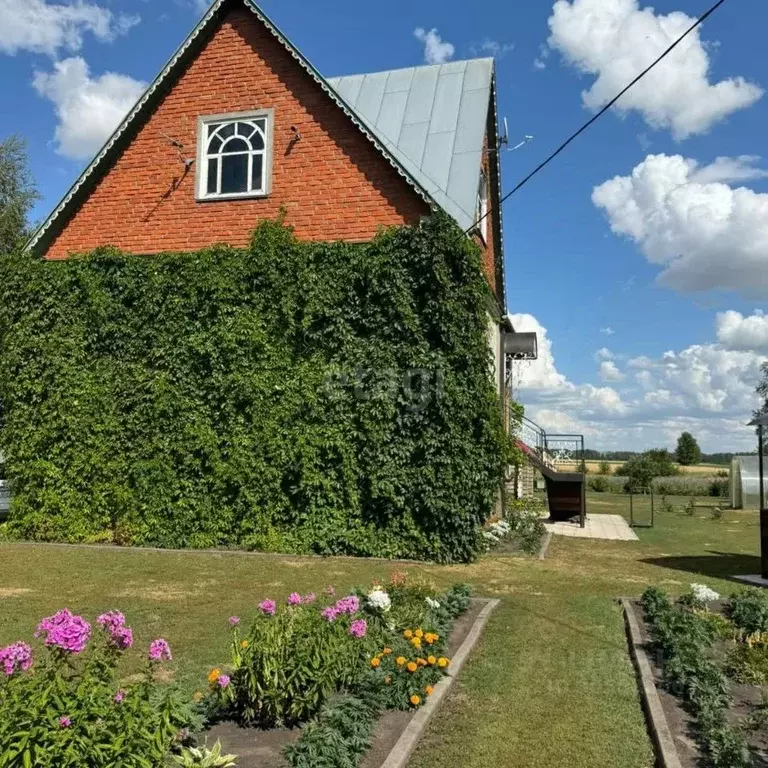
{"x":17,"y":193}
{"x":604,"y":468}
{"x":688,"y":451}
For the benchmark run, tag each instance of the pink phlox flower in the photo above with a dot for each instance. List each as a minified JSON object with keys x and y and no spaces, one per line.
{"x":119,"y":696}
{"x":114,"y":624}
{"x":65,"y":721}
{"x":350,"y":604}
{"x":329,"y":614}
{"x":222,"y":681}
{"x":159,"y":650}
{"x":66,"y":631}
{"x":15,"y":657}
{"x":111,"y":620}
{"x":234,"y":621}
{"x":358,"y":628}
{"x":310,"y":598}
{"x":294,"y":599}
{"x":268,"y":607}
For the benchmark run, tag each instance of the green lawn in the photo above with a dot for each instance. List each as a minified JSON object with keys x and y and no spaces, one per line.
{"x":550,"y":684}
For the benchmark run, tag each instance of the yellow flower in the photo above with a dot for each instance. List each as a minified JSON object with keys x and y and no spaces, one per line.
{"x":430,"y":637}
{"x":412,"y":666}
{"x":419,"y":633}
{"x":415,"y":700}
{"x":197,"y":696}
{"x":387,"y":651}
{"x":421,"y":662}
{"x":213,"y":676}
{"x":442,"y":662}
{"x":407,"y":634}
{"x":244,"y":644}
{"x":400,"y":661}
{"x":429,"y":690}
{"x":375,"y":662}
{"x":416,"y":642}
{"x":432,"y":660}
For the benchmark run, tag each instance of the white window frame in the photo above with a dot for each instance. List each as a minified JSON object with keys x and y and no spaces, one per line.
{"x":482,"y":205}
{"x":203,"y":137}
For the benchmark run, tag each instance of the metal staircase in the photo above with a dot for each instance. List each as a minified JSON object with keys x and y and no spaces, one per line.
{"x":555,"y":456}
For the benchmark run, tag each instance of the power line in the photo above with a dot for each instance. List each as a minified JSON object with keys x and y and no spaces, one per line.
{"x":596,"y":117}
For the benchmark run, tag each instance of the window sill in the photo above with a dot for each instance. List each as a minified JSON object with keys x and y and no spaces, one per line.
{"x":235,"y":196}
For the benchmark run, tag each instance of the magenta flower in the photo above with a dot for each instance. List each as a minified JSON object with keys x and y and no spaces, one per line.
{"x":350,"y":604}
{"x":120,"y":636}
{"x":268,"y":607}
{"x":358,"y":628}
{"x":294,"y":598}
{"x":329,"y":614}
{"x":66,"y":631}
{"x":234,"y":621}
{"x":65,"y":722}
{"x":310,"y":598}
{"x":111,"y":620}
{"x":16,"y":657}
{"x":222,"y":681}
{"x":159,"y":650}
{"x":119,"y":696}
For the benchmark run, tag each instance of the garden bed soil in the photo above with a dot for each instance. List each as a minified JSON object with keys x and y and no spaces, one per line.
{"x":682,"y":724}
{"x":264,"y":749}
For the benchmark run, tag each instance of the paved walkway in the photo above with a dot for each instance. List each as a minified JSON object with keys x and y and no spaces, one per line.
{"x":597,"y":527}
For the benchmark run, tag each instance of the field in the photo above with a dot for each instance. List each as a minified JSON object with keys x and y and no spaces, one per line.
{"x":706,"y":470}
{"x":550,"y":684}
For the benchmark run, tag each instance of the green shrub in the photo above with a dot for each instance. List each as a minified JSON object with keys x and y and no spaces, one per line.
{"x":604,"y":468}
{"x":599,"y":484}
{"x":719,"y":488}
{"x":748,"y":610}
{"x":327,"y":398}
{"x":748,"y":663}
{"x":67,"y":710}
{"x":526,"y":521}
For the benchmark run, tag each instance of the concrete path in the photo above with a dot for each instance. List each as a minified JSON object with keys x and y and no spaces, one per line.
{"x":613,"y":527}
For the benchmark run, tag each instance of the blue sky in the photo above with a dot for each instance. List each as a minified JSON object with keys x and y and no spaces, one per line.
{"x":650,"y":286}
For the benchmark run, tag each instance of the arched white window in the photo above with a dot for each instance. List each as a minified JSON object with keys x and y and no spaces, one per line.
{"x":234,"y":153}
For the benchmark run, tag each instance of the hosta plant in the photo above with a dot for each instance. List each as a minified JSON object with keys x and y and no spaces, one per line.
{"x":202,"y":757}
{"x":61,"y":705}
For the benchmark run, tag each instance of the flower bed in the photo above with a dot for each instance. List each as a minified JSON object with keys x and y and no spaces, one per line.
{"x":710,"y":660}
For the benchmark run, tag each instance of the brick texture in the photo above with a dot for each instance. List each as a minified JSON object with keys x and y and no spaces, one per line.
{"x":333,"y":184}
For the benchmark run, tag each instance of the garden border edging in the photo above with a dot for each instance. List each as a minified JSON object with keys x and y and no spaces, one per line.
{"x":409,"y":739}
{"x":661,"y":735}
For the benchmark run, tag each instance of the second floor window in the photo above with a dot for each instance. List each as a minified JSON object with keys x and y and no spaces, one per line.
{"x":234,"y":156}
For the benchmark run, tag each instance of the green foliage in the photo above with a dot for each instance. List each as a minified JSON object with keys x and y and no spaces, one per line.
{"x":17,"y":193}
{"x":641,"y":470}
{"x":604,"y":468}
{"x":63,"y":713}
{"x":748,"y":610}
{"x":599,"y":484}
{"x":526,"y":521}
{"x":684,"y":639}
{"x":202,"y":757}
{"x":719,"y":488}
{"x":748,"y":662}
{"x":256,"y":397}
{"x":688,"y":451}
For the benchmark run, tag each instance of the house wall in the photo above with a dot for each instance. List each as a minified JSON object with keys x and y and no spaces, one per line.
{"x":333,"y":184}
{"x":488,"y":246}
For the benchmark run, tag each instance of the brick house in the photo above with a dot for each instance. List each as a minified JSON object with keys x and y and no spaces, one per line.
{"x":239,"y":125}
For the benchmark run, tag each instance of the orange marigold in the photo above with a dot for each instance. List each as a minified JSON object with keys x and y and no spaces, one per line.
{"x":419,"y":633}
{"x":375,"y":662}
{"x":407,"y":634}
{"x":387,"y":651}
{"x":429,"y":690}
{"x":432,"y":660}
{"x":416,"y":642}
{"x":421,"y":662}
{"x":244,"y":644}
{"x":442,"y":662}
{"x":412,"y":666}
{"x":400,"y":660}
{"x":213,"y":676}
{"x":415,"y":700}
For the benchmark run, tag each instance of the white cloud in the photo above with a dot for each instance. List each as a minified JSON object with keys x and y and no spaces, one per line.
{"x":735,"y":331}
{"x":705,"y":234}
{"x":608,"y":331}
{"x":88,"y":109}
{"x":615,"y":40}
{"x":41,"y":27}
{"x":540,"y":62}
{"x":706,"y":389}
{"x":609,"y":371}
{"x":491,"y":48}
{"x":436,"y":50}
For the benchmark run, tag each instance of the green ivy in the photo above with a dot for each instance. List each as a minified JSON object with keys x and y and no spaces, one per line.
{"x":254,"y":397}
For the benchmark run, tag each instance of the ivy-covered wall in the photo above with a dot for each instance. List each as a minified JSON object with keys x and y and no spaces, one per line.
{"x":302,"y":397}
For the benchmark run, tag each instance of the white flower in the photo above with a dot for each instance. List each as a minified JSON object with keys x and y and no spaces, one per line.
{"x":490,"y":535}
{"x":703,"y":593}
{"x":434,"y":604}
{"x":379,"y":600}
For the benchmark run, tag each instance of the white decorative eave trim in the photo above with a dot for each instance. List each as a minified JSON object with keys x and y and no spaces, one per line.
{"x":169,"y":68}
{"x":499,"y":188}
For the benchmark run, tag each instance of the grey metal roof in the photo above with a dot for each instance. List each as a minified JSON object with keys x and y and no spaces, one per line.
{"x":432,"y":119}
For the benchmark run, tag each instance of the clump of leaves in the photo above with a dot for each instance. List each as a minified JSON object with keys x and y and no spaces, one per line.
{"x":526,"y":522}
{"x":202,"y":757}
{"x":748,"y":610}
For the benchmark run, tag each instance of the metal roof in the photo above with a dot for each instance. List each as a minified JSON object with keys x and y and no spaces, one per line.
{"x":432,"y":119}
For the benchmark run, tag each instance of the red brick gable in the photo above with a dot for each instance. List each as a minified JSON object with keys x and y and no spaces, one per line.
{"x":333,"y":183}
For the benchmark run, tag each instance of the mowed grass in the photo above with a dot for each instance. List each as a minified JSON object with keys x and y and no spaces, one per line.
{"x":550,"y":683}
